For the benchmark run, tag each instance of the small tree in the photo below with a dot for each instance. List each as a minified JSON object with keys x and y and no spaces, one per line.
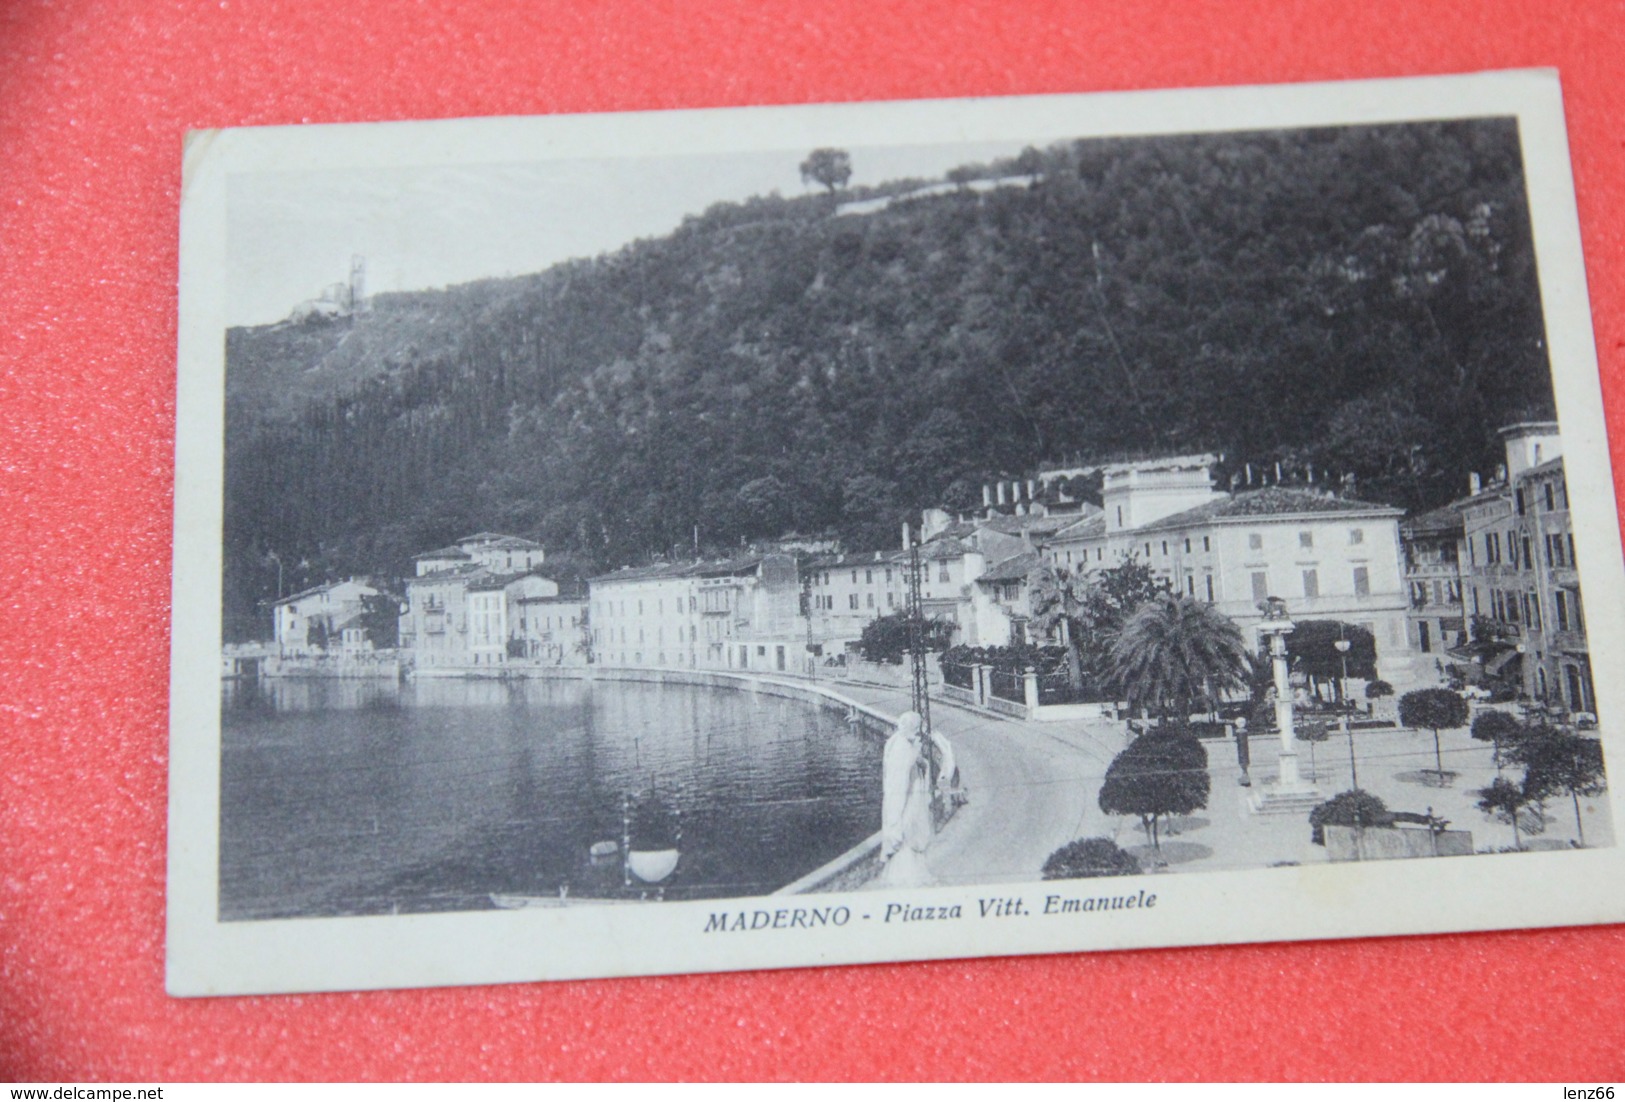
{"x":1504,"y":800}
{"x":885,"y":639}
{"x":1500,"y":728}
{"x":1435,"y":709}
{"x":1378,"y":690}
{"x":1356,"y":808}
{"x":1312,"y":731}
{"x":831,"y":168}
{"x":1312,"y":649}
{"x":1556,"y":761}
{"x":317,"y":634}
{"x":1163,"y":772}
{"x":1088,"y":857}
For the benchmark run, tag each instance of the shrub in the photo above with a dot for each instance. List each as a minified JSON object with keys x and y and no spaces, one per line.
{"x":1376,"y":690}
{"x":1341,"y":810}
{"x":1090,"y":857}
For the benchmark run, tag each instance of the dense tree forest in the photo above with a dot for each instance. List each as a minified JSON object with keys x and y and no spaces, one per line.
{"x":1355,"y":302}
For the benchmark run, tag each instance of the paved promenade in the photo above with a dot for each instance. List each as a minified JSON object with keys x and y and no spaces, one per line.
{"x":1034,"y":786}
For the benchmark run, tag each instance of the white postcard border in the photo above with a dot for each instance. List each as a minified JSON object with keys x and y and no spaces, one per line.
{"x":208,"y":957}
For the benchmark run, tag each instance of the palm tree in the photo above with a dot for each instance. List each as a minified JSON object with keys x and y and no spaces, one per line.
{"x":1175,"y":655}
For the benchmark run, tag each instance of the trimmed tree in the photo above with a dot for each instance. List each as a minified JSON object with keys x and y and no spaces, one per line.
{"x":1504,"y":800}
{"x":1088,"y":857}
{"x":1435,"y":709}
{"x":1312,"y":649}
{"x":1556,"y":761}
{"x":1161,"y":773}
{"x":1500,"y":728}
{"x":1355,"y":807}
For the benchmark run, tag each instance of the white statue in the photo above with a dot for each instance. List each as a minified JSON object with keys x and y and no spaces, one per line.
{"x":906,"y":792}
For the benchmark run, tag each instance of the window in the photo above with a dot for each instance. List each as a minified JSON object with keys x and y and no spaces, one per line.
{"x":1572,"y":560}
{"x":1550,"y":504}
{"x":1562,"y":611}
{"x":868,"y":577}
{"x":888,"y":575}
{"x":1472,"y":553}
{"x":1311,"y":583}
{"x":1210,"y":587}
{"x":1528,"y":559}
{"x":852,"y":600}
{"x":1517,"y":496}
{"x":1148,"y":550}
{"x":942,"y":575}
{"x":1190,"y":585}
{"x":1119,"y":516}
{"x":871,"y":600}
{"x":1207,"y":543}
{"x":891,"y":599}
{"x":1523,"y":598}
{"x":854,"y":577}
{"x":1164,"y":548}
{"x":1255,"y":541}
{"x":1306,"y":539}
{"x":1261,"y":585}
{"x":1100,"y":554}
{"x":1187,"y":545}
{"x":1362,"y":582}
{"x":1512,"y":550}
{"x":1356,"y":536}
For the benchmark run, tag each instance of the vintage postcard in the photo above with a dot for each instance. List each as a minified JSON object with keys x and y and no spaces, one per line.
{"x":776,"y":537}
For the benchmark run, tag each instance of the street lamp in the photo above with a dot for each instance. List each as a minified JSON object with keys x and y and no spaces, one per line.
{"x":1342,"y":646}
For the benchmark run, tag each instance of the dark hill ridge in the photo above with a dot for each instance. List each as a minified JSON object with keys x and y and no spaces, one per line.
{"x":1359,"y":301}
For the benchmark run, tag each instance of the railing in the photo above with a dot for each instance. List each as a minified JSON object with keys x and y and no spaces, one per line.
{"x":1008,"y":685}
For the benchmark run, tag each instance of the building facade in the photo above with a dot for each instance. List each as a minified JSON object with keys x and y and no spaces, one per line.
{"x":1520,"y":581}
{"x":312,"y":622}
{"x":738,"y":614}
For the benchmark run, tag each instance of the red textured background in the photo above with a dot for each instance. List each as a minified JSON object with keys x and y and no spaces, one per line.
{"x":94,"y":100}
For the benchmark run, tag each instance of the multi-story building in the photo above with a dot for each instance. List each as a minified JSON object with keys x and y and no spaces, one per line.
{"x":734,"y":614}
{"x":1519,"y":575}
{"x":1328,"y":557}
{"x":467,"y":605}
{"x":312,"y":621}
{"x":1435,"y":622}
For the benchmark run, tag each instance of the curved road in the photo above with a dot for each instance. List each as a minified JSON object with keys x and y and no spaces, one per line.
{"x":1032,"y":789}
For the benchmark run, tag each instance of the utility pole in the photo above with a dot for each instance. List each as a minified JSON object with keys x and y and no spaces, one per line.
{"x":916,"y":635}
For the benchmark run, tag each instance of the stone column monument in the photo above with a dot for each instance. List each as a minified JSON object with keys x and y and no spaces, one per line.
{"x":1289,"y":793}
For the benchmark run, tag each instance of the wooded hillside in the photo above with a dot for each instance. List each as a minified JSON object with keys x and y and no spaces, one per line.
{"x":1356,"y":301}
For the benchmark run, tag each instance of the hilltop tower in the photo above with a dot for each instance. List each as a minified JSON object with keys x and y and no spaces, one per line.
{"x":358,"y":284}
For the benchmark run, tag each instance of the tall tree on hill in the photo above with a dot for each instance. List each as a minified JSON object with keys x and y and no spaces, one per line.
{"x":829,"y":168}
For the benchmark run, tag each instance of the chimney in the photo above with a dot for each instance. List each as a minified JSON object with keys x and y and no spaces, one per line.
{"x":1000,"y":485}
{"x":905,"y":536}
{"x":987,"y":495}
{"x":1032,"y":488}
{"x":1475,"y":484}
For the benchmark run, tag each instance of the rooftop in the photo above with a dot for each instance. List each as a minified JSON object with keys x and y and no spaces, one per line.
{"x":442,"y":553}
{"x":1014,"y":569}
{"x":1271,"y":501}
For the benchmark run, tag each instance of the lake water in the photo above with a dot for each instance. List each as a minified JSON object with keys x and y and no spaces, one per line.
{"x":360,"y":797}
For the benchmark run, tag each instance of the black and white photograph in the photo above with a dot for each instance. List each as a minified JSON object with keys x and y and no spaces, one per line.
{"x":732,"y":539}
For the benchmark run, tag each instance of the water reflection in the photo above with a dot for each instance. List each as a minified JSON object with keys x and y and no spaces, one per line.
{"x":364,"y":797}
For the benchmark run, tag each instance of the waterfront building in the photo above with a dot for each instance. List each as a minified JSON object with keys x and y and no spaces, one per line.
{"x":734,"y":614}
{"x":310,"y":621}
{"x":552,"y":630}
{"x":466,"y":605}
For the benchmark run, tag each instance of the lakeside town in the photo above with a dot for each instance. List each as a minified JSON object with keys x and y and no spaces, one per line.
{"x":1484,"y":591}
{"x":1478,"y":600}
